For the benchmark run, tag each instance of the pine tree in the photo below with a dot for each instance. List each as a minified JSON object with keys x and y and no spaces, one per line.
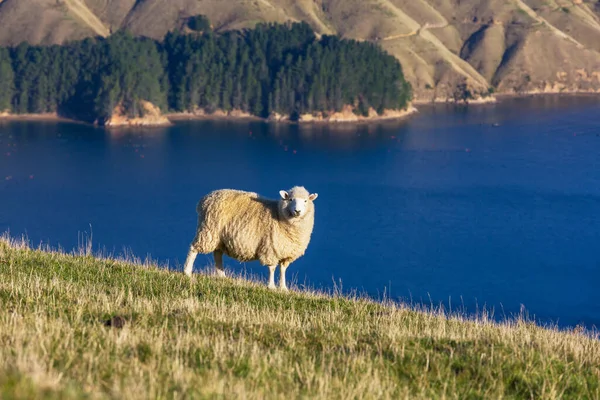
{"x":7,"y":85}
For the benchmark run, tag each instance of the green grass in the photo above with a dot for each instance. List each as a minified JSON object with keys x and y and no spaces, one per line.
{"x":229,"y":338}
{"x":522,"y":12}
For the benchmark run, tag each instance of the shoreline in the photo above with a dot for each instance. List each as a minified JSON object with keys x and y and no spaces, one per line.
{"x":475,"y":102}
{"x":389,"y":115}
{"x":174,"y":117}
{"x":50,"y":117}
{"x":187,"y":116}
{"x":499,"y":97}
{"x":526,"y":95}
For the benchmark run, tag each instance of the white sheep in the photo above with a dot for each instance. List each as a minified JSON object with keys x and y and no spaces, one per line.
{"x":247,"y":227}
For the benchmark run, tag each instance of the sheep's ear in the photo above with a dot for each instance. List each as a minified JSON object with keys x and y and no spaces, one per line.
{"x":284,"y":195}
{"x":313,"y":196}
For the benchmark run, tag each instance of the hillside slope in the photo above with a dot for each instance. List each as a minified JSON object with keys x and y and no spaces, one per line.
{"x":446,"y":47}
{"x":78,"y":326}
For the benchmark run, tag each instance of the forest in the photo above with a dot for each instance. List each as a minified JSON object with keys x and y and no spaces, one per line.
{"x":272,"y":68}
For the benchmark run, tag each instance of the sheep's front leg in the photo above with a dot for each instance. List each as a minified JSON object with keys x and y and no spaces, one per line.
{"x":282,"y":268}
{"x":218,"y":255}
{"x":189,"y":261}
{"x":272,"y":269}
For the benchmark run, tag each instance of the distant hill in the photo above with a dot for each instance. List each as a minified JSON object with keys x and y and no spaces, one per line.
{"x":446,"y":47}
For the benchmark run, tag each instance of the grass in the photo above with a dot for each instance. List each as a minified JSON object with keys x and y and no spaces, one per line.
{"x":76,"y":326}
{"x":522,"y":12}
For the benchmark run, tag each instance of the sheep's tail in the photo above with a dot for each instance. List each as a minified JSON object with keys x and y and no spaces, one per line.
{"x":205,"y":240}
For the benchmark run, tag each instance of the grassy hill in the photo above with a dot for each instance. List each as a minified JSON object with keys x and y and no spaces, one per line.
{"x":445,"y":46}
{"x":75,"y":325}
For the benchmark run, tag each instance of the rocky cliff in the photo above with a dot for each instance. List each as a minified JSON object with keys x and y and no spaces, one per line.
{"x":150,"y":115}
{"x":347,"y":114}
{"x":448,"y":48}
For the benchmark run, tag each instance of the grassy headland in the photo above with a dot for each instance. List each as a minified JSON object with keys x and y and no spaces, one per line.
{"x":76,"y":325}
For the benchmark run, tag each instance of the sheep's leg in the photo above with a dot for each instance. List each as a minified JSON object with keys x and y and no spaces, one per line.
{"x":282,"y":268}
{"x":218,"y":255}
{"x":272,"y":269}
{"x":189,"y":261}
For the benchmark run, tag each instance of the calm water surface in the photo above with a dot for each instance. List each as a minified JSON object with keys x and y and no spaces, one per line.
{"x":495,"y":206}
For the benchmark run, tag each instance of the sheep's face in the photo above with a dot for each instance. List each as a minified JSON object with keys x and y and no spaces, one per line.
{"x":296,"y":203}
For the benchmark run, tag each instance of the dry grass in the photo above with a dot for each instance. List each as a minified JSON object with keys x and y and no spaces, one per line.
{"x":173,"y":338}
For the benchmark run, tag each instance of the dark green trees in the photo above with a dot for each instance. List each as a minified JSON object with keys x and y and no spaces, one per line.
{"x":87,"y":79}
{"x":283,"y":69}
{"x":271,"y":68}
{"x":199,"y":23}
{"x":130,"y":70}
{"x":6,"y":81}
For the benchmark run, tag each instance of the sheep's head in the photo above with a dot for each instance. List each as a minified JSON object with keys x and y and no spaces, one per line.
{"x":296,"y":203}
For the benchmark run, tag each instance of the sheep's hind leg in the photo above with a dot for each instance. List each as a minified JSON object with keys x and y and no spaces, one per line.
{"x":272,"y":269}
{"x":282,"y":268}
{"x":189,"y":261}
{"x":218,"y":255}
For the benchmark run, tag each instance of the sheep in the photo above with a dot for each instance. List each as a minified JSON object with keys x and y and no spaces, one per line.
{"x":247,"y":227}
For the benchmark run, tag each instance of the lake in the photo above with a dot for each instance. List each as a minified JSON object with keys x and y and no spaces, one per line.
{"x":494,"y":207}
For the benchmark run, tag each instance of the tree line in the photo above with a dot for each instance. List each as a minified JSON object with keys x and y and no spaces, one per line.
{"x":282,"y":68}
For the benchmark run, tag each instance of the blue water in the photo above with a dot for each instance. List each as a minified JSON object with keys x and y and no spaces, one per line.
{"x":493,"y":206}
